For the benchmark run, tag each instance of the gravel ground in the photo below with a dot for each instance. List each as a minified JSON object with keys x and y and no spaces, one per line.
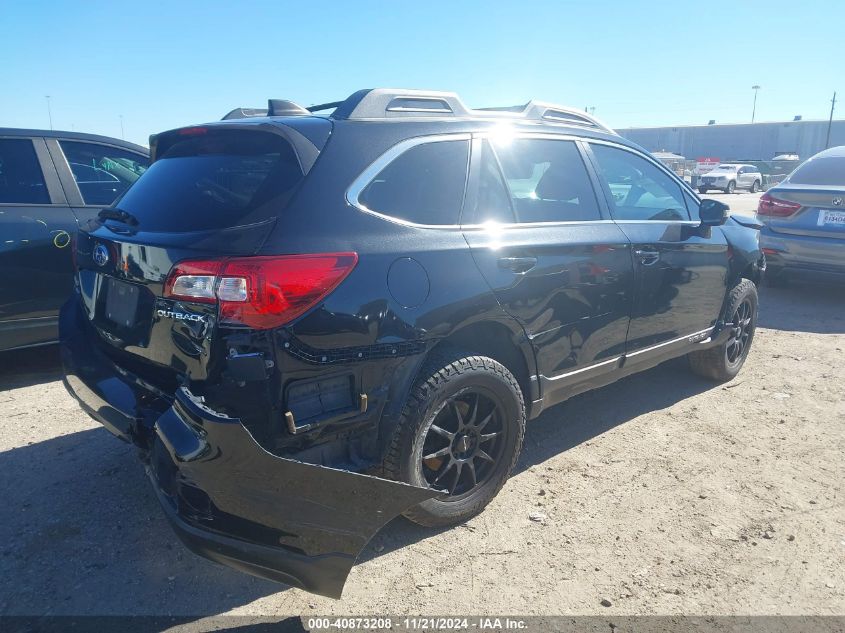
{"x":661,"y":494}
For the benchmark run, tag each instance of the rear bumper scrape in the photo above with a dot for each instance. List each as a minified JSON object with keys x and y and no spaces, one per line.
{"x":233,"y":502}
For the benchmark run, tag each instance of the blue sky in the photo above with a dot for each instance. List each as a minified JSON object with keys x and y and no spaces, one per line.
{"x":161,"y":65}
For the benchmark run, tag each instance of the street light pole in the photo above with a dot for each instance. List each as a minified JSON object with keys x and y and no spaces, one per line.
{"x":830,"y":120}
{"x":49,"y":112}
{"x":122,"y":135}
{"x":755,"y":88}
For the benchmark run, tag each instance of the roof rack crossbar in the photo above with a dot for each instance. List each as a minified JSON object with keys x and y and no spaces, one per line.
{"x":324,"y":106}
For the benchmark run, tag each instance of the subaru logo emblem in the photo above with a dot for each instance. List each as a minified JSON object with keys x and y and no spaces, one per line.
{"x":101,"y":255}
{"x":837,"y":202}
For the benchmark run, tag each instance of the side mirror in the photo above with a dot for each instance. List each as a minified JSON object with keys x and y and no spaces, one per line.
{"x":713,"y":212}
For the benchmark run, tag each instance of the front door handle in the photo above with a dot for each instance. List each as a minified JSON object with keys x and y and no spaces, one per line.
{"x":647,"y":257}
{"x":520,"y":265}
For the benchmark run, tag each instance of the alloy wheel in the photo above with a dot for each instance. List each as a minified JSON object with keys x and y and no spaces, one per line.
{"x":464,"y":443}
{"x":740,"y":332}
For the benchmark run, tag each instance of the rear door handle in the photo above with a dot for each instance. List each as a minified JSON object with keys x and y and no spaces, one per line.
{"x":647,"y":257}
{"x":518,"y":265}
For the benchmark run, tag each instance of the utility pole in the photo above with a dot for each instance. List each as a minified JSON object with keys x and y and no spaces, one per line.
{"x":49,"y":112}
{"x":122,"y":135}
{"x":830,"y":120}
{"x":755,"y":88}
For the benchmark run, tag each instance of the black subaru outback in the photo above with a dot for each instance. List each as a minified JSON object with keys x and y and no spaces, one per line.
{"x":311,"y":323}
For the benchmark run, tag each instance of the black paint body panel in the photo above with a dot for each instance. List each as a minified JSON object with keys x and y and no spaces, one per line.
{"x":247,"y":483}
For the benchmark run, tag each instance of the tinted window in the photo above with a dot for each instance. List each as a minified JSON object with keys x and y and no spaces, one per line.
{"x":638,"y":189}
{"x":547,"y":180}
{"x":424,"y":185}
{"x":493,"y":203}
{"x":101,"y":172}
{"x":821,"y":171}
{"x":217,"y":180}
{"x":21,"y":180}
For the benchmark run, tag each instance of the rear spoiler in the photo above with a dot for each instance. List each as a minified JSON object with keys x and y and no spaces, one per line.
{"x":306,"y":151}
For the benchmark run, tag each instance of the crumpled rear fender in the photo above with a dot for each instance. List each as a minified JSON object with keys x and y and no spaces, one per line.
{"x":233,"y":502}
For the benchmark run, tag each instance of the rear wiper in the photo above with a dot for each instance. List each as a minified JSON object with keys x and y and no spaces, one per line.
{"x":118,"y":214}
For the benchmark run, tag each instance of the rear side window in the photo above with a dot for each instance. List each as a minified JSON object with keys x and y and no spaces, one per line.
{"x":21,"y":180}
{"x":217,"y":180}
{"x":547,"y":181}
{"x":639,"y":190}
{"x":821,"y":171}
{"x":424,"y":185}
{"x":102,"y":172}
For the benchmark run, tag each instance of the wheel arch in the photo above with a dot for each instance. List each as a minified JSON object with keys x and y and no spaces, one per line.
{"x":506,"y":344}
{"x":502,"y":344}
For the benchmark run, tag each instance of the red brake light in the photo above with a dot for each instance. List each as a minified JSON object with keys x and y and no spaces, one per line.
{"x":192,"y":131}
{"x":260,"y":292}
{"x":775,"y":207}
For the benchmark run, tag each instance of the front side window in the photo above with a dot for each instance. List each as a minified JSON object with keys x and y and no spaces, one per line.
{"x":423,"y":185}
{"x":547,"y":181}
{"x":101,"y":172}
{"x":638,"y":189}
{"x":21,"y":180}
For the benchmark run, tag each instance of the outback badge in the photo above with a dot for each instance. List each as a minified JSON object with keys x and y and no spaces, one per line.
{"x":182,"y":316}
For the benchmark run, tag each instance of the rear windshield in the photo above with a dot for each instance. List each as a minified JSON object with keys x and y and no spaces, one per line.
{"x":821,"y":171}
{"x":216,"y":180}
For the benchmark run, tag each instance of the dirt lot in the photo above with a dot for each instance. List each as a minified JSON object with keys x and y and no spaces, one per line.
{"x":662,"y":494}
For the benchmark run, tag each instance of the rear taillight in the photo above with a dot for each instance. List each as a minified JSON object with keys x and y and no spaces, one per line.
{"x":260,"y":292}
{"x":775,"y":207}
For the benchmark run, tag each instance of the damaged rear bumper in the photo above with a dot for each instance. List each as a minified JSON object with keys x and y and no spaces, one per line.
{"x":227,"y":498}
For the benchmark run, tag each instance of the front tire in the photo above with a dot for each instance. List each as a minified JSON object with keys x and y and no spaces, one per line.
{"x":461,"y":431}
{"x":702,"y":190}
{"x":722,"y":363}
{"x":731,"y":187}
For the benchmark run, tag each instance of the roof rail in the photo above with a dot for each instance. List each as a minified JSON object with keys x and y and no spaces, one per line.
{"x":562,"y":114}
{"x":244,"y":113}
{"x":275,"y":107}
{"x":385,"y":103}
{"x":388,"y":103}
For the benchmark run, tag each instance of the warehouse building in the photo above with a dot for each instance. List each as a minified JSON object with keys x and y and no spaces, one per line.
{"x":740,"y":142}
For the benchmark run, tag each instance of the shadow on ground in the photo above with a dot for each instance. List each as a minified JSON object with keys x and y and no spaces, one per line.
{"x":25,"y":367}
{"x":804,"y":306}
{"x":82,"y":533}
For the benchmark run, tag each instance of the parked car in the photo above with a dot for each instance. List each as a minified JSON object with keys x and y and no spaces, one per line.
{"x":803,"y":219}
{"x":729,"y":177}
{"x":311,"y":324}
{"x":49,"y":182}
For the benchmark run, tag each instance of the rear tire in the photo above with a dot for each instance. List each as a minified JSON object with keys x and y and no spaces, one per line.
{"x":731,"y":187}
{"x":722,"y":363}
{"x":755,"y":186}
{"x":460,"y":430}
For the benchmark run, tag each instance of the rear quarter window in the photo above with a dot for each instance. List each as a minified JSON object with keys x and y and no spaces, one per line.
{"x":424,"y":185}
{"x":217,"y":180}
{"x":21,"y":180}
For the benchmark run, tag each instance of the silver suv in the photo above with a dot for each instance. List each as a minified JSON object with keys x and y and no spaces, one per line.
{"x":730,"y":177}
